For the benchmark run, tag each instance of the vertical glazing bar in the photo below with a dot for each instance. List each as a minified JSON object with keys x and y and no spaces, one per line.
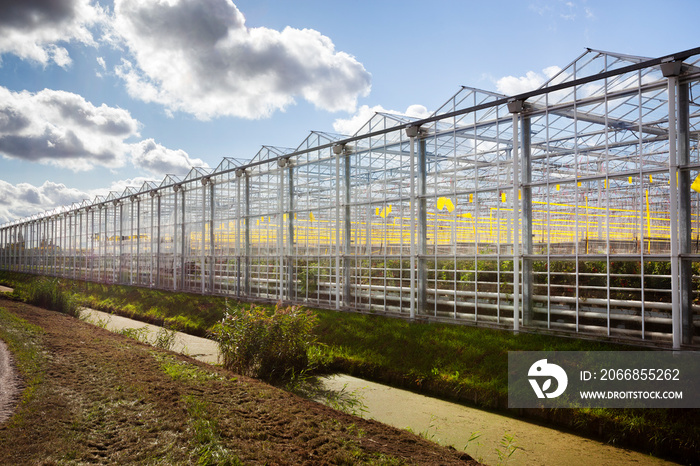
{"x":138,"y":241}
{"x":101,"y":246}
{"x":347,"y":229}
{"x":75,"y":238}
{"x":91,"y":232}
{"x":202,"y":249}
{"x":422,"y":227}
{"x":247,"y":235}
{"x":673,"y":171}
{"x":516,"y":225}
{"x":118,"y":275}
{"x":151,"y":234}
{"x":280,"y":232}
{"x":527,"y":231}
{"x":212,"y":237}
{"x":291,"y":285}
{"x":412,"y":136}
{"x":239,"y":268}
{"x":176,"y":188}
{"x":337,"y":229}
{"x":131,"y":243}
{"x":685,"y":214}
{"x":158,"y":241}
{"x":183,"y":238}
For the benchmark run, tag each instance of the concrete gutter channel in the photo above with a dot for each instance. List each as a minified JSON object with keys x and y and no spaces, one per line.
{"x":441,"y":421}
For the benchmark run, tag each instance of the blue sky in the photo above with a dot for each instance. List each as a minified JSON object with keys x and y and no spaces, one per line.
{"x":98,"y":96}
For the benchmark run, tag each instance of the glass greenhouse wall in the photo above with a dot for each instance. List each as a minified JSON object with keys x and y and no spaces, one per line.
{"x":575,"y":207}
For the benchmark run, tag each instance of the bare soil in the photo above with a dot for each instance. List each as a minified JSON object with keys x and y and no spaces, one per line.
{"x":107,"y":399}
{"x":9,"y":384}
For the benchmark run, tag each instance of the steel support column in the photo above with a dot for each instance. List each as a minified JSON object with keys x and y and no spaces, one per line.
{"x":138,"y":240}
{"x":247,"y":236}
{"x":673,"y":207}
{"x":158,"y":241}
{"x":212,"y":237}
{"x":347,"y":229}
{"x":202,"y":249}
{"x":291,"y":257}
{"x":412,"y":132}
{"x":176,"y":188}
{"x":527,"y":232}
{"x":422,"y":285}
{"x":685,"y":214}
{"x":183,"y":238}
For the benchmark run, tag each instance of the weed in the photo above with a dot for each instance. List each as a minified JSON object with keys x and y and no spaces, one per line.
{"x":267,"y":345}
{"x":47,"y":293}
{"x":138,"y":334}
{"x":96,"y":320}
{"x":180,"y":370}
{"x":426,"y":434}
{"x":206,"y":435}
{"x":474,"y":436}
{"x":506,"y":448}
{"x":165,"y":339}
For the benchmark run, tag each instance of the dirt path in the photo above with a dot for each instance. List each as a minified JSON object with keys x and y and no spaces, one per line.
{"x":104,"y":398}
{"x":9,"y":384}
{"x":9,"y":380}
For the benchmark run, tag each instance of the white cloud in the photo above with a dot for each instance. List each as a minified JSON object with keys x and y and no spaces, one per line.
{"x":119,"y":186}
{"x":31,"y":29}
{"x":161,"y":161}
{"x":63,"y":129}
{"x":199,"y":57}
{"x":24,"y":199}
{"x":350,"y":126}
{"x":511,"y":85}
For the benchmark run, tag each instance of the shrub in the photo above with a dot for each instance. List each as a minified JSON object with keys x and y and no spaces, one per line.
{"x":47,"y":293}
{"x":270,"y":345}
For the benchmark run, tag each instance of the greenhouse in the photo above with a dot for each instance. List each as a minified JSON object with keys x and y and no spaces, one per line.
{"x":575,"y":207}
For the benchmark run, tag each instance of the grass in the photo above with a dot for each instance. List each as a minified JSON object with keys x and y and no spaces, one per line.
{"x":47,"y":293}
{"x":208,"y":449}
{"x":23,"y":341}
{"x":458,"y":362}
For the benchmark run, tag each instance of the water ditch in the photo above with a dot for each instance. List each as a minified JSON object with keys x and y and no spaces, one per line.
{"x":486,"y":436}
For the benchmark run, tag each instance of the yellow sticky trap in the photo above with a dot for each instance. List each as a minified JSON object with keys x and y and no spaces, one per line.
{"x":390,"y":209}
{"x":579,"y":184}
{"x":503,"y":197}
{"x":605,"y":184}
{"x":311,"y":216}
{"x":696,"y":184}
{"x":557,"y":187}
{"x":520,"y":195}
{"x":650,"y":179}
{"x":467,"y":215}
{"x":376,"y":211}
{"x":629,"y":179}
{"x":445,"y":203}
{"x":471,"y":198}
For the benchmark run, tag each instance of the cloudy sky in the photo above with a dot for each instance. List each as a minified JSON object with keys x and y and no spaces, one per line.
{"x":96,"y":96}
